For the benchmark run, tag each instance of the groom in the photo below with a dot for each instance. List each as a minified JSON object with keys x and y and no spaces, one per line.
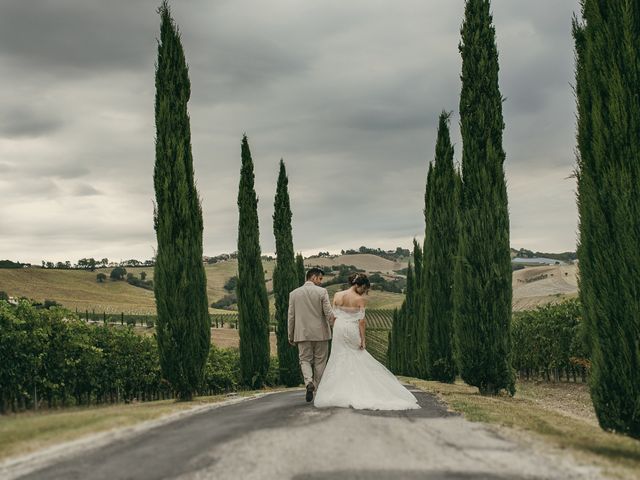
{"x":310,"y":315}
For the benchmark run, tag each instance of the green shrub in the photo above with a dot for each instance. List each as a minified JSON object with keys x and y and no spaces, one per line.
{"x":273,"y":374}
{"x":548,"y":342}
{"x":225,"y":302}
{"x":222,"y":371}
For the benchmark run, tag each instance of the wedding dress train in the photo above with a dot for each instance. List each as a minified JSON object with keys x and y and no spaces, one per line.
{"x":353,"y":378}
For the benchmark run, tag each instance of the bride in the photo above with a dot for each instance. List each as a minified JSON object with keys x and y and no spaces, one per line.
{"x":352,"y":377}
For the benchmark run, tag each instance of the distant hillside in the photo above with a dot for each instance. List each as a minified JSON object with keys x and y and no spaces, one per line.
{"x":80,"y":289}
{"x":365,"y":261}
{"x":535,"y":286}
{"x":532,"y":286}
{"x":567,"y":257}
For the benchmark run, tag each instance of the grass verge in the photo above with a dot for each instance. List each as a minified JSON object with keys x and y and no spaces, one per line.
{"x":559,"y":414}
{"x":27,"y":432}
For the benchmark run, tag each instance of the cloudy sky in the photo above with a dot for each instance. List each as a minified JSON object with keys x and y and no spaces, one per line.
{"x":348,"y":93}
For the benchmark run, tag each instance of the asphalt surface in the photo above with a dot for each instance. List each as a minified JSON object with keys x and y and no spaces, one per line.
{"x":280,"y":436}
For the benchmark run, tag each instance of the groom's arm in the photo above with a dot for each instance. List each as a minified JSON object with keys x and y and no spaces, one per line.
{"x":326,"y":308}
{"x":291,"y":319}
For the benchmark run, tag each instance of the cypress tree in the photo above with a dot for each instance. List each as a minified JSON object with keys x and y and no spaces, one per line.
{"x":285,"y":279}
{"x":441,"y":239}
{"x":422,"y":340}
{"x":183,"y":326}
{"x":406,"y":315}
{"x":253,"y":303}
{"x":399,"y":335}
{"x":392,"y":356}
{"x":482,"y":295}
{"x":416,"y":322}
{"x":300,"y":269}
{"x":607,"y":43}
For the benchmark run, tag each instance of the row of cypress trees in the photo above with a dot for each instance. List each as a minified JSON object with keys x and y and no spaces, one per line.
{"x":183,"y":328}
{"x":457,"y":314}
{"x":607,"y":45}
{"x":470,"y":314}
{"x":253,"y":303}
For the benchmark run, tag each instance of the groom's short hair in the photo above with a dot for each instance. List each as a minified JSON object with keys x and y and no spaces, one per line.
{"x":313,"y":272}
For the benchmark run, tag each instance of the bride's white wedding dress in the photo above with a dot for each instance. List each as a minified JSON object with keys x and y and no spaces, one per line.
{"x":353,"y":378}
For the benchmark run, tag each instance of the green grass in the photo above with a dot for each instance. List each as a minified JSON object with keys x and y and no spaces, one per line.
{"x":27,"y":432}
{"x":560,"y":414}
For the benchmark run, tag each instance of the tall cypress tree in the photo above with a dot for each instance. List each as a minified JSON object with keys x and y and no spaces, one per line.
{"x":483,"y":269}
{"x":300,"y":268}
{"x":253,"y":303}
{"x":392,"y":355}
{"x":183,"y":328}
{"x":285,"y":279}
{"x":423,"y":339}
{"x":402,"y":350}
{"x":406,"y":315}
{"x":416,"y":321}
{"x":399,"y":347}
{"x":441,"y":239}
{"x":607,"y":45}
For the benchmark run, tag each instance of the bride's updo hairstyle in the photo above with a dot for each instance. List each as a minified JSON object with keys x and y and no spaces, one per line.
{"x":359,"y":280}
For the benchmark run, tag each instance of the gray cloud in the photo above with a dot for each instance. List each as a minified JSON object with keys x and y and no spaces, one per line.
{"x":348,"y":93}
{"x":72,"y":37}
{"x":25,"y":121}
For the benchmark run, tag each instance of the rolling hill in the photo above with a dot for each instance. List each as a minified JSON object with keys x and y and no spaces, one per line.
{"x":532,"y":286}
{"x":80,"y":289}
{"x":364,"y":261}
{"x":535,"y":286}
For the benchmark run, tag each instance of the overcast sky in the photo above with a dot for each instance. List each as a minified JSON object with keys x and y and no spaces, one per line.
{"x":348,"y":93}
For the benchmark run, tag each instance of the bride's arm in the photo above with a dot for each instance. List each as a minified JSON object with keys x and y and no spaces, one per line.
{"x":362,"y":325}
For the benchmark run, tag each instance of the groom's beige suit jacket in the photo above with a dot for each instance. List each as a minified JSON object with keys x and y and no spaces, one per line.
{"x":309,"y":314}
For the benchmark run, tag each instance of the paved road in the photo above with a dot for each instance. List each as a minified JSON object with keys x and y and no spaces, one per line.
{"x":279,"y":436}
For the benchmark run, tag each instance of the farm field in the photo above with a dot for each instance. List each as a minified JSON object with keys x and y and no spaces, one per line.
{"x":75,"y":289}
{"x":364,"y":261}
{"x":225,"y":337}
{"x":80,"y":289}
{"x":537,"y":286}
{"x":228,"y":338}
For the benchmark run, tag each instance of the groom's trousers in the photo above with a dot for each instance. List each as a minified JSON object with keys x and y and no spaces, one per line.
{"x":313,"y":358}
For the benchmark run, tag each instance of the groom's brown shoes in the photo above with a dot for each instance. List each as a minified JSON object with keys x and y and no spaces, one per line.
{"x":310,"y":389}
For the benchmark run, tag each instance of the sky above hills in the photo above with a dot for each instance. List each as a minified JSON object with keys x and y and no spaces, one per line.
{"x":348,"y":93}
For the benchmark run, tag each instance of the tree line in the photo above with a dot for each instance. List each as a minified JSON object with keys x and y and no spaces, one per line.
{"x":92,"y":264}
{"x":394,"y":255}
{"x":457,"y":314}
{"x":462,"y":324}
{"x":183,"y":322}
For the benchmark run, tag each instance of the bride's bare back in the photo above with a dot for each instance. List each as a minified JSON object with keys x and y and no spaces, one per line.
{"x":349,"y":299}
